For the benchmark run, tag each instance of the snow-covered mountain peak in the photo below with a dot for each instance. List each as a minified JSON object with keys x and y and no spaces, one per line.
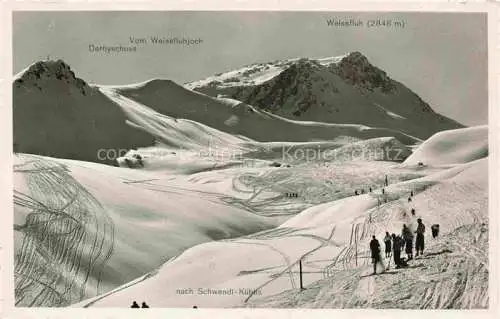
{"x":49,"y":70}
{"x":258,"y":73}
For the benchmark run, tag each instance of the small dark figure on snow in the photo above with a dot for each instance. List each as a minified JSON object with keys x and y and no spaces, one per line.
{"x":409,"y":199}
{"x":134,"y":305}
{"x":408,"y":238}
{"x":388,"y":244}
{"x":386,"y":181}
{"x":413,"y":211}
{"x":411,"y":194}
{"x":138,"y":157}
{"x":375,"y":249}
{"x":435,"y":230}
{"x":195,"y":307}
{"x":383,"y":191}
{"x":370,"y":189}
{"x":419,"y":242}
{"x":356,"y":192}
{"x":144,"y":305}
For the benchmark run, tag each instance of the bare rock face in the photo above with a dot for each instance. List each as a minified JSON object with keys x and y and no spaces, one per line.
{"x":356,"y":70}
{"x":295,"y":81}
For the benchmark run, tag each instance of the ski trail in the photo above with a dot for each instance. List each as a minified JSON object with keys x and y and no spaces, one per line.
{"x":288,"y":269}
{"x":66,"y":239}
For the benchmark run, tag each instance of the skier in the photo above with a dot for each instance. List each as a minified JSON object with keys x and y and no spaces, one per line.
{"x":370,"y":189}
{"x":375,"y":249}
{"x":386,"y":181}
{"x":411,"y":194}
{"x":409,"y":199}
{"x":408,"y":238}
{"x":144,"y":305}
{"x":383,"y":191}
{"x":435,"y":230}
{"x":356,"y":192}
{"x":134,"y":305}
{"x":396,"y":248}
{"x":419,"y":242}
{"x":387,"y":242}
{"x":413,"y":211}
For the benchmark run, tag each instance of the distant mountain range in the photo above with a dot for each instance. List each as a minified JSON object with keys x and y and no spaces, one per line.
{"x":299,"y":100}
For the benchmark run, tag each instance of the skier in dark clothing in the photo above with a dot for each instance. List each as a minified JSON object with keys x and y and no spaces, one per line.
{"x":397,"y":244}
{"x":435,"y":230}
{"x":144,"y":305}
{"x":388,"y":244}
{"x":419,"y":242}
{"x":134,"y":305}
{"x":386,"y":181}
{"x":409,"y":199}
{"x":375,"y":249}
{"x":383,"y":191}
{"x":408,"y":238}
{"x":411,"y":194}
{"x":413,"y":211}
{"x":370,"y":189}
{"x":356,"y":192}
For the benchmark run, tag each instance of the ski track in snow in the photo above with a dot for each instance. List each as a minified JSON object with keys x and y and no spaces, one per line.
{"x":66,"y":239}
{"x":432,"y":281}
{"x":353,"y":257}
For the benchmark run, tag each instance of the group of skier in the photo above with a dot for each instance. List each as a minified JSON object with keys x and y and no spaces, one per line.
{"x":394,"y":244}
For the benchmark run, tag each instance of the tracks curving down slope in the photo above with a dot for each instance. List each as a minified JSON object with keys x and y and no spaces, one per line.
{"x":65,"y":239}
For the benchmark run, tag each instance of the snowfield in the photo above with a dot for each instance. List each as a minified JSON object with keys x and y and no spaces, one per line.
{"x":233,"y":235}
{"x":452,"y":147}
{"x":331,"y":239}
{"x":98,"y":227}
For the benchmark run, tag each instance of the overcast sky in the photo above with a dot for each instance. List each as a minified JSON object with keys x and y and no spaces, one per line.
{"x":440,"y":56}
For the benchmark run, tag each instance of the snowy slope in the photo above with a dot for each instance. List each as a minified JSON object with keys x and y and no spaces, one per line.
{"x":85,"y":228}
{"x":240,"y":119}
{"x":452,"y":147}
{"x":453,"y":273}
{"x":176,"y":133}
{"x":378,"y":149}
{"x":57,"y":114}
{"x":332,"y":240}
